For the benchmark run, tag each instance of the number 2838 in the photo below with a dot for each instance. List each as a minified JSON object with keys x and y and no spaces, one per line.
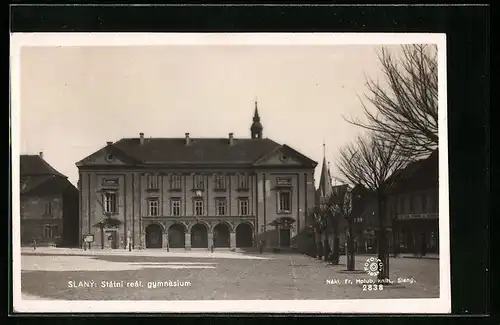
{"x":373,"y":287}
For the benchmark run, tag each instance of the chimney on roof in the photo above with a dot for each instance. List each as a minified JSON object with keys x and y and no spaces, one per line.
{"x":231,"y":139}
{"x":188,"y":140}
{"x":41,"y":154}
{"x":141,"y":138}
{"x":109,"y":143}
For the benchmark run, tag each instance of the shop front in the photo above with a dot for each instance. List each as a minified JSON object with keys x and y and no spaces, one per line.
{"x":417,"y":234}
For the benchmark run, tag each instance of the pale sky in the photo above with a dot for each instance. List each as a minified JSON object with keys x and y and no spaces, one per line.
{"x":74,"y":99}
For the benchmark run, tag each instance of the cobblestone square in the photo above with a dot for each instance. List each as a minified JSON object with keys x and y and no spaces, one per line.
{"x":158,"y":275}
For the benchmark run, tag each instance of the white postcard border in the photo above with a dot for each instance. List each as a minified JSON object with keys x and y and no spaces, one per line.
{"x":391,"y":306}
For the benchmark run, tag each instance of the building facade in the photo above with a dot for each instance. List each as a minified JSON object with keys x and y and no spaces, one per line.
{"x":196,"y":192}
{"x":365,"y":219}
{"x":414,"y":207}
{"x":49,"y":204}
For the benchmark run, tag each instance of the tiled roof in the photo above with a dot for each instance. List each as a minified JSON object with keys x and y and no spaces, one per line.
{"x":39,"y":178}
{"x":34,"y":165}
{"x":200,"y":150}
{"x":419,"y":175}
{"x":48,"y":185}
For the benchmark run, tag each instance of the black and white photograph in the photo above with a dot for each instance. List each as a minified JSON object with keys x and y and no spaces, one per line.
{"x":224,"y":172}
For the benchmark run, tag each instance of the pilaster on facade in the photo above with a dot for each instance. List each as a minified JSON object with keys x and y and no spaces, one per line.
{"x":232,"y":239}
{"x":187,"y":241}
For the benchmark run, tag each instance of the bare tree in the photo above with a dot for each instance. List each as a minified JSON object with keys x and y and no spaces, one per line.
{"x":340,"y":203}
{"x":372,"y":162}
{"x":406,"y":109}
{"x":319,"y":226}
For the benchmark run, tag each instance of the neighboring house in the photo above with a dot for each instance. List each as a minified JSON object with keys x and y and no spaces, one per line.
{"x":195,"y":192}
{"x":365,"y":219}
{"x":49,"y":204}
{"x":414,"y":207}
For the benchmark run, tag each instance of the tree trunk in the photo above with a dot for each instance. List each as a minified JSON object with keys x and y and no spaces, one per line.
{"x":383,"y":253}
{"x":336,"y":246}
{"x":319,"y":248}
{"x":350,"y":255}
{"x":327,"y":249}
{"x":395,"y":240}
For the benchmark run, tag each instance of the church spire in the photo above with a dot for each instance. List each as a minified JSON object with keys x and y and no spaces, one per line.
{"x":256,"y":128}
{"x":256,"y":117}
{"x":325,"y":182}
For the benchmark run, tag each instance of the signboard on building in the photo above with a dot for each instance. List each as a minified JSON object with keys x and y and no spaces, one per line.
{"x":88,"y":238}
{"x":282,"y":181}
{"x":109,"y":182}
{"x":420,"y":216}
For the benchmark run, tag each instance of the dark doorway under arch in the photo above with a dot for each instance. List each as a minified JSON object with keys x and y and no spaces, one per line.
{"x":199,"y":236}
{"x":176,"y":236}
{"x":154,"y":236}
{"x":221,"y":235}
{"x":284,"y":237}
{"x":244,"y":235}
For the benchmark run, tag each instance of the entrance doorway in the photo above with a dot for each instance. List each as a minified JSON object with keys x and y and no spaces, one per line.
{"x":153,"y":236}
{"x":199,"y":236}
{"x":176,"y":236}
{"x":221,"y":235}
{"x":244,"y":235}
{"x":284,"y":237}
{"x":111,"y":238}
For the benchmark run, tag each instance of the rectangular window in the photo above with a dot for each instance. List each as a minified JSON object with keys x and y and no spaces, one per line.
{"x":244,"y":207}
{"x":175,"y":182}
{"x":198,"y":182}
{"x":424,"y":203}
{"x":220,"y":182}
{"x":411,"y":199}
{"x":284,"y":202}
{"x":110,"y":205}
{"x":401,"y":204}
{"x":154,"y":207}
{"x":198,"y":207}
{"x":47,"y":231}
{"x":55,"y":230}
{"x":243,"y":181}
{"x":220,"y":207}
{"x":435,"y":203}
{"x":176,"y":207}
{"x":48,"y":208}
{"x":152,"y":181}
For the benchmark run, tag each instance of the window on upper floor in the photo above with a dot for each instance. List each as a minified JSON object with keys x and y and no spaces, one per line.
{"x":153,"y":182}
{"x":176,"y":207}
{"x":243,"y":181}
{"x":411,"y":203}
{"x":153,"y":207}
{"x":110,"y":203}
{"x":220,"y":206}
{"x":435,"y":203}
{"x":175,"y":182}
{"x":424,"y":203}
{"x":220,"y":182}
{"x":48,"y":208}
{"x":244,"y":210}
{"x":401,"y":208}
{"x":198,"y":207}
{"x":284,"y":202}
{"x":198,"y":182}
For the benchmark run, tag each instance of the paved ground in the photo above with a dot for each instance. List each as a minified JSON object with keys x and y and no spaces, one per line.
{"x":199,"y":275}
